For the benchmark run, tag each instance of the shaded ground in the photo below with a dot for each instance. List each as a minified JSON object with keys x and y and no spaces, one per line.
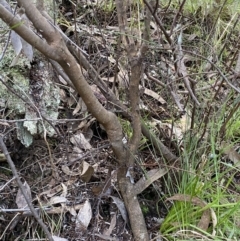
{"x":98,"y":38}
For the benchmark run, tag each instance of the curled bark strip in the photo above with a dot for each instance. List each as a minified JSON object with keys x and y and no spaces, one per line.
{"x":205,"y":219}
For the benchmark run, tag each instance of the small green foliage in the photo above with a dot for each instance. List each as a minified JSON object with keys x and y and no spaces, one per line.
{"x":108,"y":6}
{"x":233,"y":127}
{"x":127,"y":129}
{"x":208,"y":179}
{"x":5,"y":170}
{"x":184,"y":213}
{"x":145,"y":209}
{"x":17,"y":25}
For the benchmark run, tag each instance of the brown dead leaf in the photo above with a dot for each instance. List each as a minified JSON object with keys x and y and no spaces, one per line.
{"x":62,"y":80}
{"x":107,"y":237}
{"x":63,"y":95}
{"x":148,"y":179}
{"x":72,"y":210}
{"x":121,"y":207}
{"x":154,"y":95}
{"x":205,"y":219}
{"x":231,"y":153}
{"x":84,"y":216}
{"x":57,"y":199}
{"x":67,"y":171}
{"x":78,"y":107}
{"x":2,"y":157}
{"x":80,"y":141}
{"x":85,"y":170}
{"x":71,"y":101}
{"x":20,"y":199}
{"x":55,"y":189}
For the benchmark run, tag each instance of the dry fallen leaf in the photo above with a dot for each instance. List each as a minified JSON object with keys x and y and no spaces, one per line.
{"x":77,"y":108}
{"x":148,"y":179}
{"x":154,"y":95}
{"x":65,"y":189}
{"x":56,"y":238}
{"x":20,"y":199}
{"x":205,"y":218}
{"x":85,"y":170}
{"x":80,"y":141}
{"x":106,"y":237}
{"x":57,"y":200}
{"x":84,"y":217}
{"x":231,"y":153}
{"x":2,"y":157}
{"x":121,"y":207}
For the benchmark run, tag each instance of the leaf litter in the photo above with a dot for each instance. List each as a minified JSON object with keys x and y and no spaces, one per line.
{"x":81,"y":161}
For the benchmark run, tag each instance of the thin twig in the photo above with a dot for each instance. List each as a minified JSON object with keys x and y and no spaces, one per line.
{"x":216,"y":67}
{"x":2,"y":187}
{"x":182,"y":70}
{"x":15,"y":174}
{"x":47,"y":119}
{"x":176,"y":16}
{"x":167,"y":36}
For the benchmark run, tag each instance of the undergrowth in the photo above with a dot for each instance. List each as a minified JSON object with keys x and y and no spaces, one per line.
{"x":209,"y":181}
